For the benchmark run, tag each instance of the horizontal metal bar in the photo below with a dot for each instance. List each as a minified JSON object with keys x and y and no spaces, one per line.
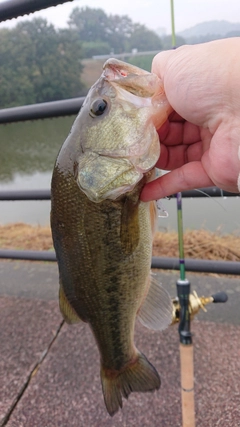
{"x":14,"y":8}
{"x":197,"y":265}
{"x":25,"y":195}
{"x":46,"y":194}
{"x":44,"y":110}
{"x":209,"y":192}
{"x":194,"y":265}
{"x":28,"y":255}
{"x":127,"y":54}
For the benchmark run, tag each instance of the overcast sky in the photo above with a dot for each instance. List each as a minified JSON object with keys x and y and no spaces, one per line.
{"x":152,"y":13}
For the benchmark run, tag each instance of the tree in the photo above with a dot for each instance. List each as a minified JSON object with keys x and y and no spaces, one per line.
{"x":95,"y":48}
{"x":14,"y":57}
{"x":119,"y":32}
{"x":38,"y":64}
{"x":55,"y":61}
{"x":90,"y":24}
{"x":144,"y":39}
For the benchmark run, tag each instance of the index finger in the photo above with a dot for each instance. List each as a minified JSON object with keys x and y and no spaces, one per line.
{"x":189,"y":176}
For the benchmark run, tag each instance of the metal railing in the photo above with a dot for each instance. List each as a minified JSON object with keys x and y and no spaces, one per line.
{"x":194,"y":265}
{"x":43,"y":110}
{"x":46,"y":194}
{"x":13,"y":9}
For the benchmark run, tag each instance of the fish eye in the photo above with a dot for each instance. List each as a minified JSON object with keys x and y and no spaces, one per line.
{"x":98,"y":107}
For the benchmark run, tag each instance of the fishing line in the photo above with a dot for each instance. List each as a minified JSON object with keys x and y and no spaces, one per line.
{"x":212,"y":198}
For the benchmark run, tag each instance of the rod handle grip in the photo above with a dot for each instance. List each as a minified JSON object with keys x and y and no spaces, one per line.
{"x":187,"y":385}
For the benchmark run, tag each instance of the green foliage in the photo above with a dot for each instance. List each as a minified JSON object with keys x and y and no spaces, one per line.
{"x":38,"y":64}
{"x":143,"y":39}
{"x":90,"y":49}
{"x":142,"y":61}
{"x":90,"y":24}
{"x":119,"y":32}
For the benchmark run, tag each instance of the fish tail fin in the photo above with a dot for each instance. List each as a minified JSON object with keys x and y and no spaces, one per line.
{"x":140,"y":376}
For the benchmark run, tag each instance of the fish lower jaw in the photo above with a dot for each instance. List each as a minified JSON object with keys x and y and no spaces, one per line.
{"x":116,"y":192}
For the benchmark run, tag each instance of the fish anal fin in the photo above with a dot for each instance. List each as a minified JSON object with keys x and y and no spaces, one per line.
{"x":157,"y":308}
{"x":140,"y":376}
{"x":68,"y":313}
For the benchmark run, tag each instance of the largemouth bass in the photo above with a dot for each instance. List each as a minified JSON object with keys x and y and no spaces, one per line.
{"x":102,"y":232}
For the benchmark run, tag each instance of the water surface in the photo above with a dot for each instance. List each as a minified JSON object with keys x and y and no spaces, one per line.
{"x":28,"y":152}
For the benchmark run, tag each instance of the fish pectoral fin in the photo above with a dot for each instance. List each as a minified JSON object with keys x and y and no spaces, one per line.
{"x":137,"y":376}
{"x":68,"y":313}
{"x":156,"y":310}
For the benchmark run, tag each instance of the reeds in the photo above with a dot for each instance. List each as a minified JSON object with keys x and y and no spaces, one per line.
{"x":201,"y":244}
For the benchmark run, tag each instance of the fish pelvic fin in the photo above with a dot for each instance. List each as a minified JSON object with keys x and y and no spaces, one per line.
{"x":140,"y":376}
{"x":68,"y":313}
{"x":156,"y":310}
{"x":153,"y":216}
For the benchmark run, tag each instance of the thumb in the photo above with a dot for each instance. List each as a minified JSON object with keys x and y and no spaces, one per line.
{"x":160,"y":61}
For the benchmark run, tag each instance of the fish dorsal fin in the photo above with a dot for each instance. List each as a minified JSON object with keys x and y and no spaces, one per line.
{"x":156,"y":310}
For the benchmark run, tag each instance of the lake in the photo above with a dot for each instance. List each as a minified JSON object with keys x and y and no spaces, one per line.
{"x":28,"y":153}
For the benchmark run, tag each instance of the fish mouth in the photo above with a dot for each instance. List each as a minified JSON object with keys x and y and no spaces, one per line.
{"x":139,"y":87}
{"x":133,"y":79}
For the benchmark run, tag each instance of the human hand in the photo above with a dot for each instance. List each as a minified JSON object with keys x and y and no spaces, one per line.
{"x":201,"y":139}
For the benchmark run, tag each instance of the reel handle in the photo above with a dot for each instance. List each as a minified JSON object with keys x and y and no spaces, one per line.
{"x":220,"y":297}
{"x":195,"y":304}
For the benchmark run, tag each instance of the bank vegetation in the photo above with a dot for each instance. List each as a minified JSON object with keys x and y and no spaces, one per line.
{"x":201,"y":244}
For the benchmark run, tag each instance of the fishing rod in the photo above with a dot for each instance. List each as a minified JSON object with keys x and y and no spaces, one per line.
{"x":183,"y":293}
{"x":185,"y":306}
{"x":185,"y":336}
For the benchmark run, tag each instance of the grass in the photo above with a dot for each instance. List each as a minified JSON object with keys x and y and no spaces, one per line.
{"x":201,"y":244}
{"x":92,"y":69}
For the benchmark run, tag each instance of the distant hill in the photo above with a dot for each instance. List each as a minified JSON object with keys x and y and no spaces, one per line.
{"x":217,"y":28}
